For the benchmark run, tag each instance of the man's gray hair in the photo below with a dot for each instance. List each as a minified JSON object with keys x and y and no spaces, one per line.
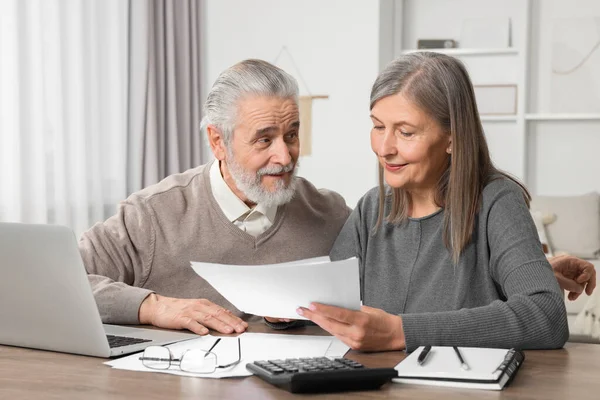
{"x":246,"y":78}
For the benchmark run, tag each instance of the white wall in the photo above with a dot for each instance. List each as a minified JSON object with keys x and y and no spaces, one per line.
{"x":564,"y":157}
{"x":445,"y":19}
{"x":334,"y":43}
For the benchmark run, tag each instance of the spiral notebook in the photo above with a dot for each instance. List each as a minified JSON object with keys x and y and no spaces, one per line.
{"x":490,"y":369}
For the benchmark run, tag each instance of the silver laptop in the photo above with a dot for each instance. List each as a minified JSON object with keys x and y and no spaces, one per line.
{"x":46,"y":301}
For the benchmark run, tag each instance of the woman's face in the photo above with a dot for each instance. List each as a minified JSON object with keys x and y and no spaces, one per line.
{"x":411,"y":146}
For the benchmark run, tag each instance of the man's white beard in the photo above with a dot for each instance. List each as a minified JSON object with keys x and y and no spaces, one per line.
{"x":250,"y":184}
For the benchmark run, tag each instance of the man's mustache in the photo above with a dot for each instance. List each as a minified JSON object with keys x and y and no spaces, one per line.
{"x":276,"y":170}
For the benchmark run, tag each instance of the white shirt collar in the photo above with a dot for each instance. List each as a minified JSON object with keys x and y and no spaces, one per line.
{"x":233,"y":207}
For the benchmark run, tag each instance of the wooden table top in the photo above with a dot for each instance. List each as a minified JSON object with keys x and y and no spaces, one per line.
{"x":572,"y":372}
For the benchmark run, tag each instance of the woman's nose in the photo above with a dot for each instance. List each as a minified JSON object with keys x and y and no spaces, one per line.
{"x":388,"y":144}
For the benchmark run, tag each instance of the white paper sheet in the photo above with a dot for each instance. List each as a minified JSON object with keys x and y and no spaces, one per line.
{"x":277,"y":290}
{"x":255,"y":346}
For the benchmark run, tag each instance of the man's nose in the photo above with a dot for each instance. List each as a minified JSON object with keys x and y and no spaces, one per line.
{"x":281,"y":152}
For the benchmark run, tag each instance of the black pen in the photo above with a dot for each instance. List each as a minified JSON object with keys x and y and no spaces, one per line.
{"x":423,"y":355}
{"x":212,"y":347}
{"x":463,"y":364}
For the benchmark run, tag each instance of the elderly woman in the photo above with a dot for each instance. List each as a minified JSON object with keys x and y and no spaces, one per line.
{"x":449,"y":254}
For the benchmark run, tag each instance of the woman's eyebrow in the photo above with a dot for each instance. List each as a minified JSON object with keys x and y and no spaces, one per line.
{"x":395,"y":123}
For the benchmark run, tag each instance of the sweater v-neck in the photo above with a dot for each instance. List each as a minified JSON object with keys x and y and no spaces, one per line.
{"x":236,"y":231}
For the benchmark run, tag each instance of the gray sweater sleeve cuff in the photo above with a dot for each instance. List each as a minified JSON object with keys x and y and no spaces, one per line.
{"x":286,"y":325}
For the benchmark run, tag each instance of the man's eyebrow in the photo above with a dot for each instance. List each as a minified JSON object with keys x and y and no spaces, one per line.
{"x":268,"y":129}
{"x":264,"y":131}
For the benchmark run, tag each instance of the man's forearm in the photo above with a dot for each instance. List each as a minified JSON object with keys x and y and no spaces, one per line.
{"x":118,"y":303}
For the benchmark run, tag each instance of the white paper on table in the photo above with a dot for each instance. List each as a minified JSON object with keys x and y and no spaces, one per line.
{"x":277,"y":290}
{"x":255,"y":346}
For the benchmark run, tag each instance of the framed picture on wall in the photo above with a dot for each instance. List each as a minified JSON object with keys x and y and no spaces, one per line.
{"x":496,"y":99}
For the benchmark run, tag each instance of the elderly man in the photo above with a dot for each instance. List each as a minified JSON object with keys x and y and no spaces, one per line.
{"x":246,"y":207}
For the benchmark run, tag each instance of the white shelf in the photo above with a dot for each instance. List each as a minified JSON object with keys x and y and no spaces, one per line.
{"x":498,"y":118}
{"x":562,"y":117}
{"x":468,"y":52}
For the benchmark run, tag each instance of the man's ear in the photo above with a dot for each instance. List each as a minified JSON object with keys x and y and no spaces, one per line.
{"x":217,"y":144}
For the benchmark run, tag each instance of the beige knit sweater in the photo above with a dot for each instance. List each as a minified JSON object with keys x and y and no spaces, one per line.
{"x":148,"y":245}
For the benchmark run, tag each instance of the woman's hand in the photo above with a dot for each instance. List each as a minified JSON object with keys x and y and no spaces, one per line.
{"x":369,"y":329}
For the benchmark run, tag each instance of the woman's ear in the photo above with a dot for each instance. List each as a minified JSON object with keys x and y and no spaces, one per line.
{"x":449,"y":147}
{"x":217,"y":144}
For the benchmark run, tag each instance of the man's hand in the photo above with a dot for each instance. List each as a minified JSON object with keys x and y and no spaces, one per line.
{"x":369,"y":329}
{"x":195,"y":315}
{"x":574,"y":275}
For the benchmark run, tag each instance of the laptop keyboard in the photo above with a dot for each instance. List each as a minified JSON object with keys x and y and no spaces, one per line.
{"x":120,"y":341}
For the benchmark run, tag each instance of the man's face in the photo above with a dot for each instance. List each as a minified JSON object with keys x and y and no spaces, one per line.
{"x":262,"y":156}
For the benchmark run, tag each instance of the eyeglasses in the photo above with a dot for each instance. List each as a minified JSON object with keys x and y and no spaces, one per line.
{"x":195,"y":360}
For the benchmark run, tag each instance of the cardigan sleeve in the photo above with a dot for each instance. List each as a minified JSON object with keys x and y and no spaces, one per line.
{"x":533,"y":314}
{"x":351,"y":241}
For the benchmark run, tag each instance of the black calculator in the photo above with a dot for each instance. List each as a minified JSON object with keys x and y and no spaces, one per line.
{"x":320,"y":374}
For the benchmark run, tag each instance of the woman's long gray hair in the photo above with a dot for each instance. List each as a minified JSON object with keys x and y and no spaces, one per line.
{"x":440,"y":86}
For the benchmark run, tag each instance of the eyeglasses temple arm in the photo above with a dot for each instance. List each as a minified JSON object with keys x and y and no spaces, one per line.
{"x":239,"y":356}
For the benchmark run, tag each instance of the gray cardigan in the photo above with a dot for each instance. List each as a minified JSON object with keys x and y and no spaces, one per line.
{"x":502,"y":292}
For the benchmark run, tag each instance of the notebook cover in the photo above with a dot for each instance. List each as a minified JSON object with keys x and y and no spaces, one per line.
{"x":489,"y":368}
